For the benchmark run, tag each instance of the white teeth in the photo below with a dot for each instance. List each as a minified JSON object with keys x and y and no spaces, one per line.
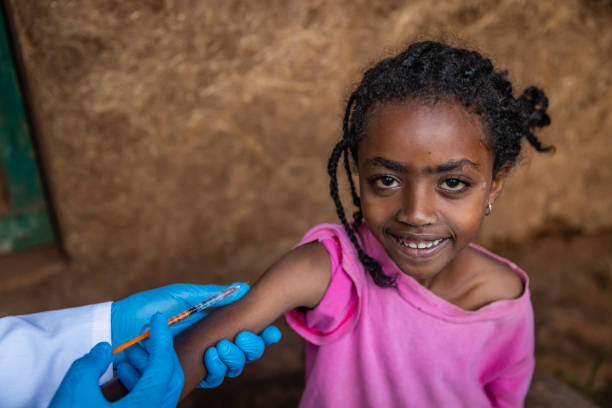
{"x":421,"y":245}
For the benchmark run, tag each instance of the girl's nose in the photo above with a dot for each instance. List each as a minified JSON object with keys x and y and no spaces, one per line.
{"x":417,"y":208}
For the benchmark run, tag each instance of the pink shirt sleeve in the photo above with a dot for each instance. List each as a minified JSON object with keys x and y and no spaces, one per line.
{"x":338,"y":311}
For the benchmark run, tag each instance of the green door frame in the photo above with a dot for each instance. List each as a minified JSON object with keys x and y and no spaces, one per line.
{"x":27,"y":222}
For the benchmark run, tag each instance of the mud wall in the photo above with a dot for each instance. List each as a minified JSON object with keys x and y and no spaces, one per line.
{"x":188,"y":140}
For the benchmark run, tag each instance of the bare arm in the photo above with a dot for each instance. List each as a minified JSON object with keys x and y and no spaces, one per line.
{"x":299,"y":278}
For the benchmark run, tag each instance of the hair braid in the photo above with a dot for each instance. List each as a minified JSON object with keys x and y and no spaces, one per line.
{"x":350,"y":147}
{"x":371,"y":265}
{"x":535,"y":103}
{"x":357,"y":215}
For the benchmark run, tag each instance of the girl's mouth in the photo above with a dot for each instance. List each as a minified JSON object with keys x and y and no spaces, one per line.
{"x":419,"y":247}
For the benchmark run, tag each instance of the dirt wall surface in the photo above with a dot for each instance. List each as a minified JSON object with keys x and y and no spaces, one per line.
{"x":188,"y":141}
{"x":179,"y":132}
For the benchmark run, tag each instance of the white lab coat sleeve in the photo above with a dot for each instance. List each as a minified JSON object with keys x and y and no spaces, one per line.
{"x":36,"y":350}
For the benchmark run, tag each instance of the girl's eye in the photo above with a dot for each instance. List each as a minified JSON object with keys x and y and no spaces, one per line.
{"x":385,"y":182}
{"x":454,"y":185}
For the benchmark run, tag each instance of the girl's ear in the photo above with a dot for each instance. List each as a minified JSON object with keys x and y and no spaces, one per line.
{"x":498,"y":183}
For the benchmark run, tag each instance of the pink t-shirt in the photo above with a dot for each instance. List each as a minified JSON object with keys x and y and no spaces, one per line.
{"x":406,"y":347}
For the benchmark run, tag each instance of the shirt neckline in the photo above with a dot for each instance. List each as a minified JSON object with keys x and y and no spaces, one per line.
{"x":428,"y":302}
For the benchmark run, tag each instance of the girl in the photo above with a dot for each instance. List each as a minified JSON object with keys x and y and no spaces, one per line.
{"x":399,"y":307}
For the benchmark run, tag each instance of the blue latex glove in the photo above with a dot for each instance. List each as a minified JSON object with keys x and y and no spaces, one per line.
{"x":159,"y":386}
{"x":130,"y":316}
{"x":226,"y":358}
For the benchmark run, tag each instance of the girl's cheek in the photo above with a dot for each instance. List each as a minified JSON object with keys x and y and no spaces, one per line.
{"x":377,"y":210}
{"x":475,"y":220}
{"x":374,"y":211}
{"x":466,"y":221}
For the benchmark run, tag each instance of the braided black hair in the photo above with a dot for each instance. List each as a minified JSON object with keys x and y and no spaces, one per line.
{"x":430,"y":71}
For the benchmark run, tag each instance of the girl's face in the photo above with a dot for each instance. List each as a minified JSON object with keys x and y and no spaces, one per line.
{"x":425,"y":177}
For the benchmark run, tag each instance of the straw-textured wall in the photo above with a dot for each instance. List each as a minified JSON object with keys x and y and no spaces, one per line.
{"x":189,"y":139}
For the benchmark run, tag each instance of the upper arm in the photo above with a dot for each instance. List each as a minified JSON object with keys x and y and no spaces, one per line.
{"x":299,"y":278}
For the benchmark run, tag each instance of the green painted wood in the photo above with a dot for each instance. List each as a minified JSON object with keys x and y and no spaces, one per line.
{"x":22,"y":230}
{"x":28,"y":222}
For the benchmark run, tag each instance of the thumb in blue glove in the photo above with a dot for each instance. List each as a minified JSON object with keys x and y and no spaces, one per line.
{"x":159,"y":386}
{"x":80,"y":384}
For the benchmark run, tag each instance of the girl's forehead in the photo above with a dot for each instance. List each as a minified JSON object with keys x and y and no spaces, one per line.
{"x":417,"y":130}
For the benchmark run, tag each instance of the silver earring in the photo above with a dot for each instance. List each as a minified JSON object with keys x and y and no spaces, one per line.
{"x":489,"y":209}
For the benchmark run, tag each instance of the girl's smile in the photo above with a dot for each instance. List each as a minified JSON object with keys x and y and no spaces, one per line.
{"x":425,"y":177}
{"x":419,"y":246}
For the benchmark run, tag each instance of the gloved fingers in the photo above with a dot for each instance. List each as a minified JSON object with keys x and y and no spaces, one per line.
{"x":128,"y":375}
{"x":271,"y":335}
{"x":176,"y":383}
{"x":82,"y":379}
{"x":216,"y":369}
{"x":253,"y":345}
{"x":162,"y":379}
{"x":159,"y":370}
{"x":232,"y":356}
{"x":250,"y":344}
{"x":92,"y":365}
{"x":160,"y":341}
{"x":137,"y":356}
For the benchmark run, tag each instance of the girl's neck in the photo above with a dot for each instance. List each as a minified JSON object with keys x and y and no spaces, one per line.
{"x":451,"y":279}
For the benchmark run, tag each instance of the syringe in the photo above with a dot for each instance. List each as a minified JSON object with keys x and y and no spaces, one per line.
{"x":211,"y":301}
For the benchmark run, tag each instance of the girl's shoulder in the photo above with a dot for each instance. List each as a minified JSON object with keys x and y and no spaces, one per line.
{"x":492,"y":278}
{"x":305,"y":269}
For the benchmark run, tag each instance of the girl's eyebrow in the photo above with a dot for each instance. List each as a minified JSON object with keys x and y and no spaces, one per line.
{"x":389,"y":164}
{"x":451,"y":165}
{"x":400,"y":167}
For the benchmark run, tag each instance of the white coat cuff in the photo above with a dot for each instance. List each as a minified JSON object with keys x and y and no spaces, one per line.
{"x":101,"y":331}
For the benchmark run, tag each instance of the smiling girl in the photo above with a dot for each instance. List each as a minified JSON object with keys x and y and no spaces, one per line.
{"x":399,"y":308}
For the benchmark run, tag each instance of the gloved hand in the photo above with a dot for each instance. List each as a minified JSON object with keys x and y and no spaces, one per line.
{"x":226,"y":358}
{"x":159,"y":386}
{"x":130,"y":316}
